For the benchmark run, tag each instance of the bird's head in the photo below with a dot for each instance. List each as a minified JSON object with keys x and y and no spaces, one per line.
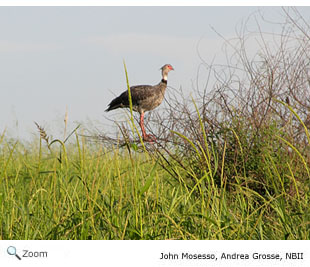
{"x":165,"y":69}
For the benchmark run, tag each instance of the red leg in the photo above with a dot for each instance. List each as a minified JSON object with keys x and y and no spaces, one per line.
{"x":146,"y":137}
{"x":142,"y":125}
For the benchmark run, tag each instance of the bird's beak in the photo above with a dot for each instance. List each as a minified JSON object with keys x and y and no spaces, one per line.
{"x":172,"y":68}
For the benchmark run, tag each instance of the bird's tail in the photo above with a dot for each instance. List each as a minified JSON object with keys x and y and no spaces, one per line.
{"x":110,"y":108}
{"x":115,"y":103}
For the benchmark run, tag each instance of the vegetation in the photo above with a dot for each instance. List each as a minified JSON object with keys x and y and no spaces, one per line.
{"x":231,"y":163}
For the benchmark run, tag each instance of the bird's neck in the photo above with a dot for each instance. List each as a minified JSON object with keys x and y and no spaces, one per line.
{"x":163,"y":80}
{"x":164,"y":74}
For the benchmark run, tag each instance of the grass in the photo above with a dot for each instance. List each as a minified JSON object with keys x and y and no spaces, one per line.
{"x":82,"y":191}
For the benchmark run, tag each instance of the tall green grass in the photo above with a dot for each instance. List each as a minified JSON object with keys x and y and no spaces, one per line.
{"x":80,"y":190}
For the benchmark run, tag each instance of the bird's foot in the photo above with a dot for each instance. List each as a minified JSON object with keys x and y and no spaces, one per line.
{"x":149,"y":138}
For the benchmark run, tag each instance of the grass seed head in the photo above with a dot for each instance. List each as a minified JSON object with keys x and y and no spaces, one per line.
{"x":42,"y":132}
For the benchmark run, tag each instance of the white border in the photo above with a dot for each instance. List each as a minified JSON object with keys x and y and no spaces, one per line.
{"x":153,"y":3}
{"x":148,"y":253}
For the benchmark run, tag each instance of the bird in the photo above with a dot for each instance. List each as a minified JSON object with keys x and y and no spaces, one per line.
{"x":144,"y":98}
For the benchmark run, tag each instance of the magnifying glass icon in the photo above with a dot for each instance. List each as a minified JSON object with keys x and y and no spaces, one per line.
{"x":12,"y":251}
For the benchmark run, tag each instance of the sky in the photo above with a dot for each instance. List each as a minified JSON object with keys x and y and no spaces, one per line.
{"x":58,"y":58}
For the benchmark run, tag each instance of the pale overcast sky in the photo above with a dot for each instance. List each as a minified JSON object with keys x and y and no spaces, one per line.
{"x":53,"y":57}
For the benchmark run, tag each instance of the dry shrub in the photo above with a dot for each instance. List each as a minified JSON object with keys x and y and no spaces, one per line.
{"x":247,"y":110}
